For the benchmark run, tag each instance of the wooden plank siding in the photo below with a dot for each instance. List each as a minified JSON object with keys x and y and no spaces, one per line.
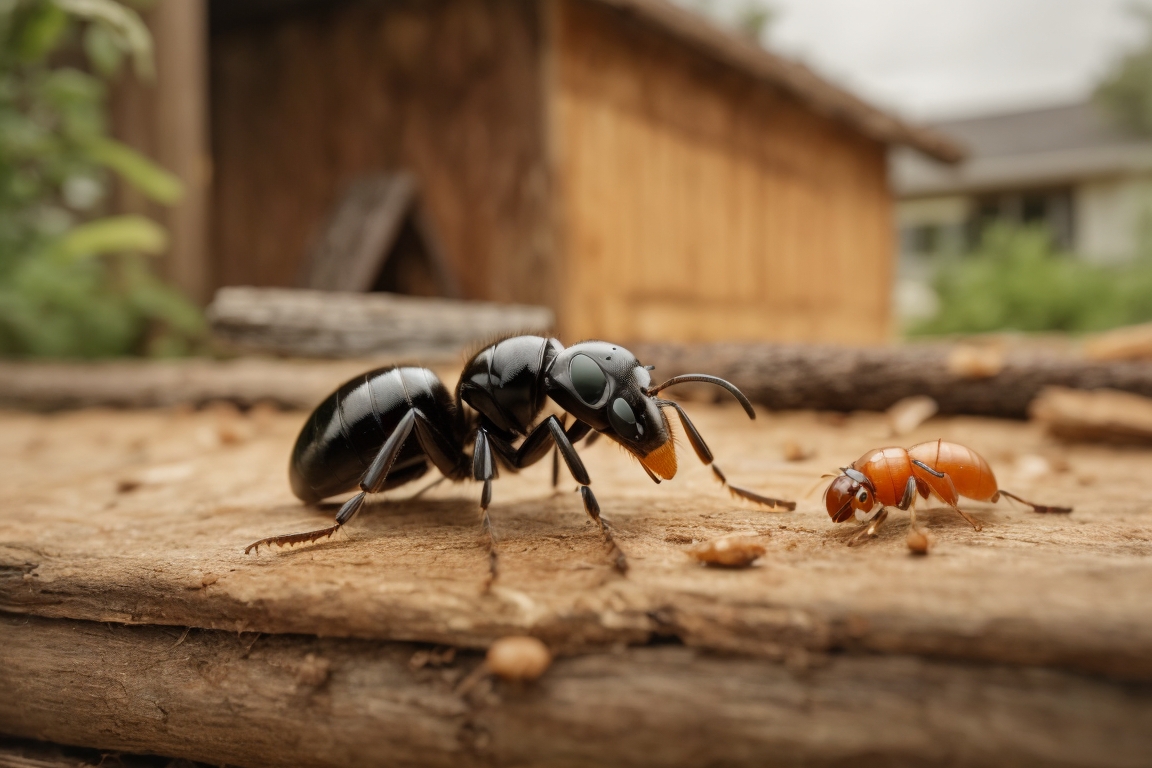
{"x":697,"y":203}
{"x":304,"y":102}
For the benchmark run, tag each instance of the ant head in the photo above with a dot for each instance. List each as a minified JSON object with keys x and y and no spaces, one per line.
{"x":848,"y":493}
{"x":604,"y":385}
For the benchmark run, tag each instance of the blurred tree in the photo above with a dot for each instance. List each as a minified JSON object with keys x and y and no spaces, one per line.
{"x":75,"y":282}
{"x":1017,"y":280}
{"x":751,"y":18}
{"x":754,"y":20}
{"x":1126,"y":91}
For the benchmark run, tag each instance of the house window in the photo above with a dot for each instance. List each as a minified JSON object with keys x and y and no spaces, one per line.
{"x":1051,"y":208}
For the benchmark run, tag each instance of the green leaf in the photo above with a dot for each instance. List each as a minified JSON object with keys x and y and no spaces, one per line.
{"x":123,"y":22}
{"x":115,"y":234}
{"x":39,"y":30}
{"x":148,"y":177}
{"x":104,"y":50}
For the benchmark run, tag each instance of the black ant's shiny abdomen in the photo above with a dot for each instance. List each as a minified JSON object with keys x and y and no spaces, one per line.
{"x":346,"y":431}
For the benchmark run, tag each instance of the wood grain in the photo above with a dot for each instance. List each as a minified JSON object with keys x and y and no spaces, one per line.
{"x":142,"y":517}
{"x":333,"y":324}
{"x":699,"y":204}
{"x":787,"y":376}
{"x":296,"y":701}
{"x":303,"y":101}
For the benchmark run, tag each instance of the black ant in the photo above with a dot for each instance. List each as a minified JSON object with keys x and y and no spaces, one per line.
{"x":360,"y":436}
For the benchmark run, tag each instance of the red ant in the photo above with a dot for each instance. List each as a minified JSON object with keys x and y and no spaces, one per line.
{"x":893,"y":476}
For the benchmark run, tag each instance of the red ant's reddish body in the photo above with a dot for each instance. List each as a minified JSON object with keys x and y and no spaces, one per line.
{"x":892,"y":477}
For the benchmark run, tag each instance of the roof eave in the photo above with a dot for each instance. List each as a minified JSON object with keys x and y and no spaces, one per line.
{"x":817,"y":94}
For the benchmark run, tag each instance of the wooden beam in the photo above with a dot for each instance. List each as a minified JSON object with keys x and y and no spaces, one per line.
{"x":331,"y":324}
{"x":143,"y":517}
{"x":180,"y":29}
{"x":167,"y":120}
{"x":962,"y":379}
{"x":296,"y":701}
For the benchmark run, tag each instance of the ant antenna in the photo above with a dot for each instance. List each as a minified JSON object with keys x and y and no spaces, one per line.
{"x":819,"y":482}
{"x":705,"y":379}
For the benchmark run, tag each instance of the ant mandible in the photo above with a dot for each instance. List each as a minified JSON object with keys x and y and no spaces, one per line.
{"x":384,"y":428}
{"x":887,"y":477}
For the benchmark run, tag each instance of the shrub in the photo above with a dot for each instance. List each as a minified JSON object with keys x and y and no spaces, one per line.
{"x":1016,"y":280}
{"x":75,"y":282}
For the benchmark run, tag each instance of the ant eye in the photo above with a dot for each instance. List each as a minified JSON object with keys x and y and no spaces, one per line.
{"x":862,"y":496}
{"x":623,"y":420}
{"x":587,"y":379}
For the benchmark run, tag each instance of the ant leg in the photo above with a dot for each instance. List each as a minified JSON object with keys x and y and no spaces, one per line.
{"x":870,"y":529}
{"x":428,"y":487}
{"x":1042,"y":509}
{"x":942,"y":485}
{"x":976,"y":524}
{"x":592,"y":507}
{"x":484,"y":469}
{"x":536,"y":445}
{"x":439,"y":449}
{"x":907,"y":501}
{"x":705,"y":456}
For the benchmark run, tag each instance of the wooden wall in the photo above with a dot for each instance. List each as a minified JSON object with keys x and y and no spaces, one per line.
{"x":696,"y":203}
{"x":167,"y":120}
{"x":449,"y":89}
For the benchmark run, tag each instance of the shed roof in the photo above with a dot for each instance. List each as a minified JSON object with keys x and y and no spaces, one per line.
{"x":1038,"y":147}
{"x":691,"y":29}
{"x":812,"y":90}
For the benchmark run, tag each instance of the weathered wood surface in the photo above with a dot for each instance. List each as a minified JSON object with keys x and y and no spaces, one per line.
{"x":331,"y":324}
{"x":1103,"y":415}
{"x":700,"y":205}
{"x":142,"y":517}
{"x":142,"y":384}
{"x":295,"y":701}
{"x":778,"y":376}
{"x":785,"y":376}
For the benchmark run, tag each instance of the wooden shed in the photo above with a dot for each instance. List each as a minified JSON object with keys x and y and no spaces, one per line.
{"x":643,"y":173}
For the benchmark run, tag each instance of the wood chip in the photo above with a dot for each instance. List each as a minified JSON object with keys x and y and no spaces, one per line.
{"x":918,"y":541}
{"x":728,"y":552}
{"x":794,"y":451}
{"x":1133,"y":342}
{"x":1100,"y":415}
{"x":911,"y":412}
{"x":970,"y":361}
{"x":518,"y":658}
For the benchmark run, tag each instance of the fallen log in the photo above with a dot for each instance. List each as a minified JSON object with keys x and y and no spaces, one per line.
{"x":960,"y":379}
{"x":781,"y":377}
{"x":303,"y":701}
{"x":340,"y":324}
{"x":160,"y":383}
{"x":1102,"y":415}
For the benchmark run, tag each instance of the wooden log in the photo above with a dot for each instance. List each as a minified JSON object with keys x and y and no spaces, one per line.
{"x":1102,"y":415}
{"x":875,"y":378}
{"x":150,"y":384}
{"x":299,"y":701}
{"x":777,"y":376}
{"x":332,"y":324}
{"x":1133,"y":342}
{"x":142,"y":517}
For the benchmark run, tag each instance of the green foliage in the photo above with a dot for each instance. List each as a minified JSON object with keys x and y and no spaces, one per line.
{"x":1016,"y":280}
{"x":73,"y":281}
{"x":1126,"y":91}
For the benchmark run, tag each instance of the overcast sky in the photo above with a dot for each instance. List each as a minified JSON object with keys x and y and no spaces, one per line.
{"x":943,"y":58}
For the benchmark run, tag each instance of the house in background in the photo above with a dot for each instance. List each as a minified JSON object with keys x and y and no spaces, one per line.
{"x":643,"y":173}
{"x":1070,"y":168}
